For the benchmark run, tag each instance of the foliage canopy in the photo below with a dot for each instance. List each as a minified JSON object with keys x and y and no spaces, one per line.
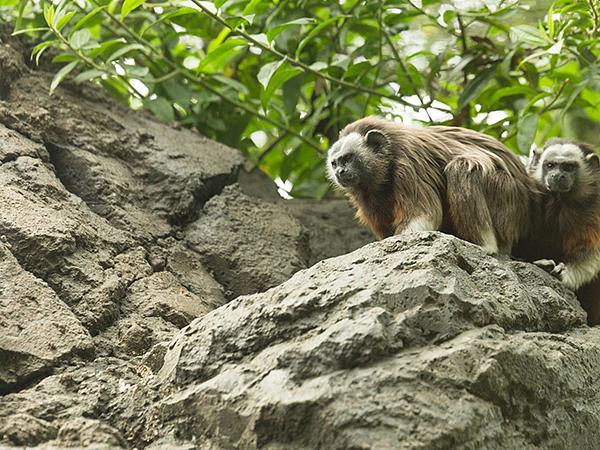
{"x":279,"y":79}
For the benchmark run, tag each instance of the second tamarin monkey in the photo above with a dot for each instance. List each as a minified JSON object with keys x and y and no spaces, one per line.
{"x":567,"y":230}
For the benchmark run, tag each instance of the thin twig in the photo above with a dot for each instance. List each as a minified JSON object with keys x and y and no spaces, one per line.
{"x":400,"y":62}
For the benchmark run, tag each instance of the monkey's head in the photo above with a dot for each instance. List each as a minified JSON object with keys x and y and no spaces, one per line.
{"x":359,"y":160}
{"x":563,"y":166}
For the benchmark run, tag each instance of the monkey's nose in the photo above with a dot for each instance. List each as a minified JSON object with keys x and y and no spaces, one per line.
{"x":344,"y":176}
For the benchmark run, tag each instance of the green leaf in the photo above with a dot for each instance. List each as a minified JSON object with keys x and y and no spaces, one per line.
{"x":171,"y":15}
{"x":64,"y":20}
{"x":251,"y":7}
{"x":88,"y":75}
{"x":281,"y":75}
{"x":106,"y":46}
{"x":162,"y":108}
{"x":130,"y":5}
{"x":291,"y":94}
{"x":528,"y":34}
{"x":61,"y":74}
{"x":86,"y":20}
{"x":508,"y":91}
{"x":475,"y":87}
{"x":39,"y":49}
{"x":29,"y":30}
{"x":316,"y":30}
{"x":224,"y":51}
{"x":65,"y":57}
{"x":124,"y":50}
{"x":266,"y":72}
{"x":526,"y":131}
{"x":79,"y":38}
{"x":49,"y":13}
{"x":275,"y":31}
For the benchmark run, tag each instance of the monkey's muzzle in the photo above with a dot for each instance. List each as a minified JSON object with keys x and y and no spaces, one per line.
{"x":559,"y":184}
{"x":346,"y":178}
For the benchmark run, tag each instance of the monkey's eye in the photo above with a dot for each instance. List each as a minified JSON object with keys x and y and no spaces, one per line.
{"x":333,"y":163}
{"x":568,"y":167}
{"x":344,"y":159}
{"x":549,"y":165}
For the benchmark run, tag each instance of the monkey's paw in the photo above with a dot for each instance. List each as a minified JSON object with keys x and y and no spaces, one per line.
{"x":546,"y":264}
{"x":559,"y":271}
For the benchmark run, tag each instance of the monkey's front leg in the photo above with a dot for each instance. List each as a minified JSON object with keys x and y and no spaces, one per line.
{"x":573,"y":275}
{"x":420,"y":223}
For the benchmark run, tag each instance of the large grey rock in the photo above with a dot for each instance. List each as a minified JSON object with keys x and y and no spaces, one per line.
{"x":137,"y":173}
{"x":37,"y":330}
{"x":249,"y":244}
{"x":422,"y":340}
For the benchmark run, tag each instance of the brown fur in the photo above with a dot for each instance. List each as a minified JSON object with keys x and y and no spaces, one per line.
{"x":465,"y":181}
{"x":568,"y":229}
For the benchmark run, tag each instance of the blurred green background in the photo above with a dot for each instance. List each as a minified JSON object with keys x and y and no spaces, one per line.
{"x":279,"y":79}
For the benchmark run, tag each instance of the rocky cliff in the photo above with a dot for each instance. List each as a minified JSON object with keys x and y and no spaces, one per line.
{"x":153,"y":295}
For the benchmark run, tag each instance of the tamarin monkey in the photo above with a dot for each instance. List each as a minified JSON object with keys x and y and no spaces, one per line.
{"x":450,"y":179}
{"x":568,"y":232}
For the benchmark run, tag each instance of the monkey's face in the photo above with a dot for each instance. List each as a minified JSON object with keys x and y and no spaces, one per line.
{"x":562,"y":167}
{"x":352,"y":160}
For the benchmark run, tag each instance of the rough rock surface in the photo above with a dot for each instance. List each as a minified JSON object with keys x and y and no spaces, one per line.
{"x":122,"y":241}
{"x":234,"y":228}
{"x":414,"y":342}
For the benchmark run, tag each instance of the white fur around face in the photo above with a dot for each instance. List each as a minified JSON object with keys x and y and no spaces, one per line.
{"x":558,"y":153}
{"x":562,"y":152}
{"x":349,"y":143}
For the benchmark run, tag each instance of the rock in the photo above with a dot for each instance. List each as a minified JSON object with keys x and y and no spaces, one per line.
{"x":249,"y":244}
{"x":137,"y":173}
{"x":38,"y":329}
{"x":26,"y":430}
{"x":80,"y":407}
{"x":420,"y":339}
{"x":330,"y":223}
{"x":331,"y":227}
{"x":88,"y":432}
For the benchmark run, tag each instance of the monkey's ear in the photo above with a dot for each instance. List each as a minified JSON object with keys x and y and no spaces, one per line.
{"x":376,"y":138}
{"x":593,"y":160}
{"x":533,"y":150}
{"x":534,"y":157}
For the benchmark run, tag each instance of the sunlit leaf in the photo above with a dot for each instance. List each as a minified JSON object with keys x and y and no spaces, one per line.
{"x":267,"y":71}
{"x":130,"y":5}
{"x":124,"y":50}
{"x":80,"y":38}
{"x":61,"y":74}
{"x":273,"y":32}
{"x":88,"y":75}
{"x":224,"y":51}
